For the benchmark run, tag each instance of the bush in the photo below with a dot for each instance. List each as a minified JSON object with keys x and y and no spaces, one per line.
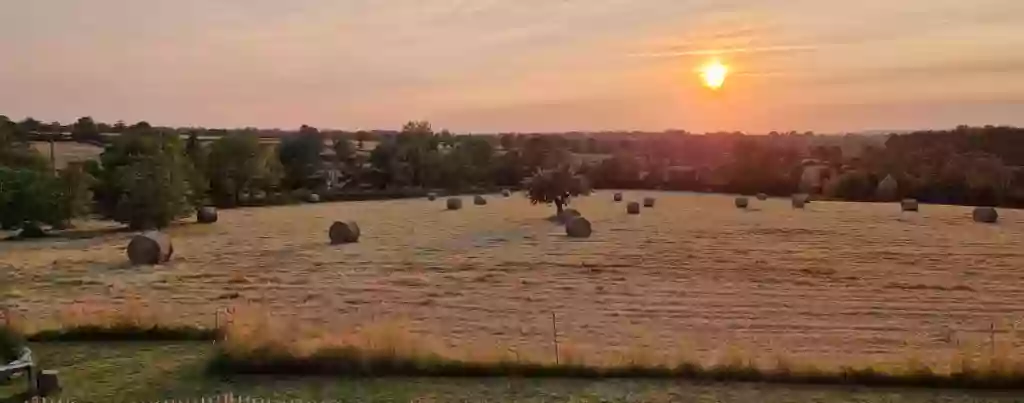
{"x":11,"y":343}
{"x":28,"y":197}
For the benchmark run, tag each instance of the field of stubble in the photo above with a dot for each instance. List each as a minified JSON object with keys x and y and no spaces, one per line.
{"x":837,"y":282}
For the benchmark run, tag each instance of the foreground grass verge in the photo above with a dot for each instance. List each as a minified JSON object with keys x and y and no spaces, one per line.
{"x":356,"y":362}
{"x":268,"y":347}
{"x":258,"y":344}
{"x":148,"y":372}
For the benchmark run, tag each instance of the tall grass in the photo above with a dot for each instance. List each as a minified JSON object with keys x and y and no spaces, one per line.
{"x":134,"y":321}
{"x":262,"y":344}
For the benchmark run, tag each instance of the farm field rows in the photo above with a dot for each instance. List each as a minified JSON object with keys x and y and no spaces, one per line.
{"x":836,"y":283}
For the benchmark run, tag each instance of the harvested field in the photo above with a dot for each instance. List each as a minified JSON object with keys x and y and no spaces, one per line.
{"x":833,"y":283}
{"x":66,"y":152}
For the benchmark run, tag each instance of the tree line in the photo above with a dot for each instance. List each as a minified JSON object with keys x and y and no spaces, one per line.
{"x":149,"y":176}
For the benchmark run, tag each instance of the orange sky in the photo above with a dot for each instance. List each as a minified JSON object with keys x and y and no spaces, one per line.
{"x":517,"y":65}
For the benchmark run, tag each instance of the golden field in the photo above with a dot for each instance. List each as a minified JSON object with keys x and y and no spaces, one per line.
{"x":837,"y":282}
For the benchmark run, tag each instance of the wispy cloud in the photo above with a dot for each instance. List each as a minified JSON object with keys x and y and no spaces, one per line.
{"x":727,"y":51}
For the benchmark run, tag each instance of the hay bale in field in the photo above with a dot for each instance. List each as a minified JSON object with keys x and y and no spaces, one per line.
{"x":799,"y":200}
{"x":479,"y":200}
{"x":633,"y":208}
{"x":431,"y":196}
{"x":506,"y":192}
{"x":150,"y":248}
{"x":762,"y":197}
{"x":206,"y":215}
{"x":344,"y":232}
{"x":578,"y":227}
{"x":454,"y":203}
{"x":909,"y":205}
{"x":742,"y":202}
{"x":986,"y":215}
{"x":648,"y":202}
{"x":617,"y":197}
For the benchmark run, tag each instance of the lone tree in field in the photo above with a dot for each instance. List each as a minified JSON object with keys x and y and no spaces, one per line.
{"x":145,"y":180}
{"x":558,"y":186}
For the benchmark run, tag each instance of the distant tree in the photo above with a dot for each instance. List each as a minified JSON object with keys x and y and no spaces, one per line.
{"x":470,"y":162}
{"x":118,"y":127}
{"x":237,"y":163}
{"x":507,"y":141}
{"x":361,"y":138}
{"x":29,"y":126}
{"x":74,"y":192}
{"x":417,"y":128}
{"x":593,"y":146}
{"x":154,"y":192}
{"x":343,"y":150}
{"x":544,"y":152}
{"x":300,"y":156}
{"x":556,"y":186}
{"x":85,"y":129}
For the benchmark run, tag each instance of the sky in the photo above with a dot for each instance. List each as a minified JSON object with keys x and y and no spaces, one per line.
{"x":516,"y":65}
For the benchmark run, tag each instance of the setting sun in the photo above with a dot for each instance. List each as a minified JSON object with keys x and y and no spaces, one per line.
{"x":713,"y":74}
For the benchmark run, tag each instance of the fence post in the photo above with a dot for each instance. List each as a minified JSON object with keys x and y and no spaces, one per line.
{"x":554,"y":337}
{"x":992,"y":340}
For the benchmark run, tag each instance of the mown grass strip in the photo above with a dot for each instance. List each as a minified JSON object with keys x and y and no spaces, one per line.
{"x":354,"y":362}
{"x":124,"y":332}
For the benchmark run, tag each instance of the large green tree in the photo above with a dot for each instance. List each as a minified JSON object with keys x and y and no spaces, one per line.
{"x":145,"y":179}
{"x":28,"y":198}
{"x":238,"y":163}
{"x":85,"y":129}
{"x":300,"y":156}
{"x":556,"y":186}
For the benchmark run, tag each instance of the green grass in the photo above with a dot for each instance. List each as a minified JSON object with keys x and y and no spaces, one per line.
{"x":124,"y":332}
{"x":145,"y":371}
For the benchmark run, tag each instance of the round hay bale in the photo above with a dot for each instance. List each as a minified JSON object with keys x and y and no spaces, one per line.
{"x":799,"y":200}
{"x":986,"y":215}
{"x":206,"y":215}
{"x":633,"y":208}
{"x":479,"y":200}
{"x":344,"y":232}
{"x":578,"y":227}
{"x":742,"y":202}
{"x":762,"y":197}
{"x":617,"y":197}
{"x":909,"y":205}
{"x":150,"y":248}
{"x":506,"y":192}
{"x":431,"y":196}
{"x":313,"y":198}
{"x":454,"y":203}
{"x":648,"y":202}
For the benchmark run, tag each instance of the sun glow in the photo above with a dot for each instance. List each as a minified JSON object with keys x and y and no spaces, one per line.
{"x":713,"y":74}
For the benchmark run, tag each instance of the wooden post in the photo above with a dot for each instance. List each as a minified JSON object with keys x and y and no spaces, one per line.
{"x":554,"y":337}
{"x":992,"y":340}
